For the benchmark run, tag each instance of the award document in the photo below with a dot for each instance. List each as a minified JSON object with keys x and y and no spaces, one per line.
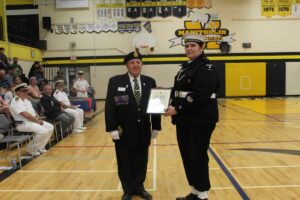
{"x":159,"y":100}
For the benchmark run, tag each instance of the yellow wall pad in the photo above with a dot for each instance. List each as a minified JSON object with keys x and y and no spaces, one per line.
{"x":19,"y":2}
{"x":269,"y":106}
{"x":22,"y":52}
{"x":245,"y":79}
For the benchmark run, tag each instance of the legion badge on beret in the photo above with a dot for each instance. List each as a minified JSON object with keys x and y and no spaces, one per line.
{"x":132,"y":55}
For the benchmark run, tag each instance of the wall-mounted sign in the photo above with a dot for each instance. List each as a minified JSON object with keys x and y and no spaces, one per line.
{"x":283,"y":8}
{"x":99,"y":27}
{"x":212,"y":31}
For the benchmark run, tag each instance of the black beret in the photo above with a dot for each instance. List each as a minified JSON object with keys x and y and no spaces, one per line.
{"x":132,"y":55}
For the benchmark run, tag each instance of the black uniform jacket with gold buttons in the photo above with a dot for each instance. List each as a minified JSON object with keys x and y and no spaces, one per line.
{"x":193,"y":94}
{"x":123,"y":114}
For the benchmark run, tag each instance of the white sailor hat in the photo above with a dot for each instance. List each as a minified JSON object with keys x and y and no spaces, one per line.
{"x":20,"y":87}
{"x":80,"y":72}
{"x":194,"y":38}
{"x":59,"y":82}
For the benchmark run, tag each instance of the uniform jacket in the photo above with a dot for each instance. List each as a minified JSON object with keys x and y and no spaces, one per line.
{"x":51,"y":106}
{"x":199,"y":78}
{"x":123,"y":114}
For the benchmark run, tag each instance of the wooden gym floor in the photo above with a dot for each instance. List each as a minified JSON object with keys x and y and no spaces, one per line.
{"x":254,"y":154}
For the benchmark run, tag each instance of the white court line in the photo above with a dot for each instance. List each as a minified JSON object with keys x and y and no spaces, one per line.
{"x":89,"y":190}
{"x":270,"y":186}
{"x":57,"y":171}
{"x":154,"y":186}
{"x":267,"y":167}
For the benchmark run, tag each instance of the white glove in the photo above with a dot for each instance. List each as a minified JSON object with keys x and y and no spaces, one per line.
{"x":115,"y":135}
{"x":154,"y":133}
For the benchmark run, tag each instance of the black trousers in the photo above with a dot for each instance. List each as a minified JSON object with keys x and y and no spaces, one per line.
{"x":132,"y":166}
{"x":193,"y":142}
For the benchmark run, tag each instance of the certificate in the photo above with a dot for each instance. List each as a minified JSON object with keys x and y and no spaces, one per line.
{"x":159,"y":100}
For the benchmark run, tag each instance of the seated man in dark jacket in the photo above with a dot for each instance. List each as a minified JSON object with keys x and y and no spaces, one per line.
{"x":53,"y":109}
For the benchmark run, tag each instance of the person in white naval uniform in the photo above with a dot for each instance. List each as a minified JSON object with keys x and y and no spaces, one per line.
{"x":22,"y":110}
{"x":64,"y":101}
{"x":81,"y":86}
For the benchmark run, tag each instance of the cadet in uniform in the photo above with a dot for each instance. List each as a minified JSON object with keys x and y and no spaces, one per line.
{"x":22,"y":110}
{"x":63,"y":99}
{"x":81,"y":86}
{"x":129,"y":124}
{"x":194,"y":111}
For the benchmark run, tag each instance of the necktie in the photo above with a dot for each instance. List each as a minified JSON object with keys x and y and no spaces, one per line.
{"x":136,"y":92}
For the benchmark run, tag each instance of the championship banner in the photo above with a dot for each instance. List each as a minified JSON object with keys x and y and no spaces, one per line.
{"x":179,"y":8}
{"x":117,"y":8}
{"x":164,"y":8}
{"x":103,"y":9}
{"x":81,"y":28}
{"x":268,"y":8}
{"x":149,"y":8}
{"x":132,"y":26}
{"x":73,"y":29}
{"x":66,"y":28}
{"x":59,"y":28}
{"x":284,"y":8}
{"x":296,"y":7}
{"x":133,"y":8}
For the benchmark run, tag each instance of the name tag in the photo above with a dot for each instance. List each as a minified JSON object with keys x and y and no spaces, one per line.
{"x":121,"y":89}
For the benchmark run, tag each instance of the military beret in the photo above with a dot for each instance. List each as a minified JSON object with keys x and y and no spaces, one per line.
{"x":59,"y":82}
{"x":132,"y":55}
{"x":194,"y":38}
{"x":20,"y":86}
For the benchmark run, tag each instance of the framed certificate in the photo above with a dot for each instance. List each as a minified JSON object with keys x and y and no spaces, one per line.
{"x":159,"y":100}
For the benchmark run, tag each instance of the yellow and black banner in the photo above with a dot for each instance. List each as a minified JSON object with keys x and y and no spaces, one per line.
{"x":268,"y":8}
{"x":133,"y":8}
{"x":164,"y":8}
{"x":149,"y":8}
{"x":179,"y":8}
{"x":284,"y":7}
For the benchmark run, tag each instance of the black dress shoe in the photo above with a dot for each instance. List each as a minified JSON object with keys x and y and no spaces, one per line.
{"x":126,"y":196}
{"x":144,"y":194}
{"x":190,"y":196}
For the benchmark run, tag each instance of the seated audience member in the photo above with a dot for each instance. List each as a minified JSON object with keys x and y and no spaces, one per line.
{"x":4,"y":108}
{"x":63,"y":99}
{"x":10,"y":75}
{"x":17,"y":81}
{"x":4,"y":83}
{"x":34,"y":93}
{"x":40,"y":77}
{"x":3,"y":59}
{"x":59,"y":76}
{"x":81,"y":85}
{"x":53,"y":109}
{"x":17,"y":66}
{"x":21,"y":109}
{"x":8,"y":95}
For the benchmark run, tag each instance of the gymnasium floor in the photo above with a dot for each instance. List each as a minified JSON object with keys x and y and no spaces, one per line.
{"x":254,"y":154}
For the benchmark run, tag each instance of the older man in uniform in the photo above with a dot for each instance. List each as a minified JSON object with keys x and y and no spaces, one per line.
{"x":64,"y":101}
{"x":129,"y":125}
{"x":22,"y":110}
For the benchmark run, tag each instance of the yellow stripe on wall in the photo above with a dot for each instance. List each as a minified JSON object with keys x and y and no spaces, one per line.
{"x":245,"y":79}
